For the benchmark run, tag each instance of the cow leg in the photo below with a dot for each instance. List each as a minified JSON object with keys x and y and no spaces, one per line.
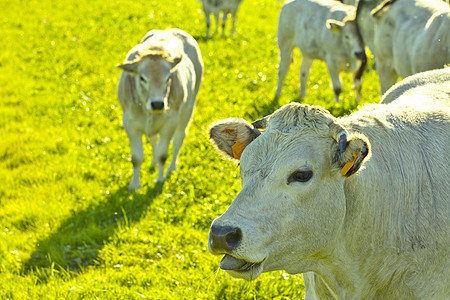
{"x":388,"y":76}
{"x":178,"y":139}
{"x":208,"y":22}
{"x":217,"y":17}
{"x":153,"y":142}
{"x":357,"y":82}
{"x":285,"y":54}
{"x":161,"y":151}
{"x":224,"y":19}
{"x":234,"y":23}
{"x":335,"y":79}
{"x":305,"y":69}
{"x":137,"y":156}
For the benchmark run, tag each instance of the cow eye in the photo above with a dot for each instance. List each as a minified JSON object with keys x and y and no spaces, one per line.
{"x":142,"y":78}
{"x":300,"y":176}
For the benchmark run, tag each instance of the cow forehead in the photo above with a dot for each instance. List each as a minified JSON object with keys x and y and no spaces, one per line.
{"x":275,"y":151}
{"x":154,"y":67}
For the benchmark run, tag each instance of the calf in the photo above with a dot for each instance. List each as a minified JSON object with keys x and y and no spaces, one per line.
{"x":319,"y":28}
{"x":215,"y":7}
{"x":157,"y":91}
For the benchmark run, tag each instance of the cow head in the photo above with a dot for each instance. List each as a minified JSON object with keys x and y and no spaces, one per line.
{"x":348,"y":28}
{"x":152,"y":72}
{"x":292,"y":206}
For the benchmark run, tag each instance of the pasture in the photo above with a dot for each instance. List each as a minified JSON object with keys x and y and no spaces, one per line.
{"x":69,"y":228}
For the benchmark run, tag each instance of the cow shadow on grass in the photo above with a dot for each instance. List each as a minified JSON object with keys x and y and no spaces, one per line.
{"x":76,"y":243}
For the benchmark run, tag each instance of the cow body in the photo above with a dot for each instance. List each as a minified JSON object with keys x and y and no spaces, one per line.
{"x":309,"y":25}
{"x":405,"y":36}
{"x":359,"y":204}
{"x":215,"y":7}
{"x":157,"y":91}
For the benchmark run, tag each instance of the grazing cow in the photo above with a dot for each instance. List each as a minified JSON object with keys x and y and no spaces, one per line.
{"x":215,"y":7}
{"x":405,"y":36}
{"x":320,"y":30}
{"x":361,"y":201}
{"x":157,"y":91}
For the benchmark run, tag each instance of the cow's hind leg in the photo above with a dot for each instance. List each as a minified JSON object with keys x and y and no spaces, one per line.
{"x":387,"y":75}
{"x":137,"y":156}
{"x":305,"y":69}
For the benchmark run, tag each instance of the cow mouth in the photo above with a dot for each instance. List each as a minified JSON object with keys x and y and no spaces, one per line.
{"x":238,"y":267}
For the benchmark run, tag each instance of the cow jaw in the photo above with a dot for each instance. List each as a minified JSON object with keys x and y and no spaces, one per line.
{"x":241,"y":268}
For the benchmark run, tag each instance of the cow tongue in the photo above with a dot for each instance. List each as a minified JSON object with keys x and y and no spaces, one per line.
{"x":231,"y":263}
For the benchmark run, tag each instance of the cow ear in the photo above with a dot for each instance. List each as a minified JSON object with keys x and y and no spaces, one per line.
{"x":357,"y":152}
{"x":231,"y":136}
{"x":174,"y":61}
{"x":335,"y":25}
{"x":129,"y":66}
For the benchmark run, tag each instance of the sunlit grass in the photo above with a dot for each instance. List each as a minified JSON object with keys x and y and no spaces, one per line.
{"x":69,"y":228}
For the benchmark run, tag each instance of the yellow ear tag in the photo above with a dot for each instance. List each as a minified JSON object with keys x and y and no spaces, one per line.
{"x":348,"y":165}
{"x":237,"y":148}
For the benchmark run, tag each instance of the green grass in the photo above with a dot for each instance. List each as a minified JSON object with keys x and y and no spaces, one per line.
{"x":68,"y":227}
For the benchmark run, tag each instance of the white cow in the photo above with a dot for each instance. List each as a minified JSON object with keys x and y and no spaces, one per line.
{"x":405,"y":36}
{"x":157,"y":91}
{"x":361,"y":201}
{"x":215,"y":7}
{"x":319,"y":29}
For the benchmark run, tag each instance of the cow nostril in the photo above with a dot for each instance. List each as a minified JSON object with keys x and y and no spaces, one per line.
{"x":233,"y":238}
{"x":224,"y":238}
{"x":159,"y":105}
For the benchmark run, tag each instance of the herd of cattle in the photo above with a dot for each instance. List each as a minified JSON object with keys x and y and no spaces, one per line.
{"x":359,"y":204}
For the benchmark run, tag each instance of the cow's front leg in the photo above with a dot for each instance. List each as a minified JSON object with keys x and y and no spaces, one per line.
{"x":233,"y":29}
{"x":153,"y":139}
{"x":285,"y":56}
{"x":161,"y":154}
{"x":178,"y":139}
{"x":137,"y":156}
{"x":335,"y":79}
{"x":388,"y":76}
{"x":357,"y":82}
{"x":305,"y":69}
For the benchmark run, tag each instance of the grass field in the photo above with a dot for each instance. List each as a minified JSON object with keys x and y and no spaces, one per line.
{"x":69,"y":229}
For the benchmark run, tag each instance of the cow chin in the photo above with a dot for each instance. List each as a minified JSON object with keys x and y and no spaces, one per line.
{"x":243,"y":270}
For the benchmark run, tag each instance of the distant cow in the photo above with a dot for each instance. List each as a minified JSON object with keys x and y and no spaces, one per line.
{"x":320,"y":30}
{"x":362,"y":201}
{"x":405,"y":36}
{"x":215,"y":7}
{"x":157,"y":91}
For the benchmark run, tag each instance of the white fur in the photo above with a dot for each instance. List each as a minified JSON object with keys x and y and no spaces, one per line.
{"x":303,"y":24}
{"x":172,"y":76}
{"x":383,"y":233}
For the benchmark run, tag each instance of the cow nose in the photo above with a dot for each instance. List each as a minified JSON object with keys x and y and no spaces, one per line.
{"x":157,"y":105}
{"x":223,"y":239}
{"x":360,"y":55}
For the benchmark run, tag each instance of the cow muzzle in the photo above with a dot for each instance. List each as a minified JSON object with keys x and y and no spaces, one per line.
{"x":156,"y":105}
{"x":223,"y":239}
